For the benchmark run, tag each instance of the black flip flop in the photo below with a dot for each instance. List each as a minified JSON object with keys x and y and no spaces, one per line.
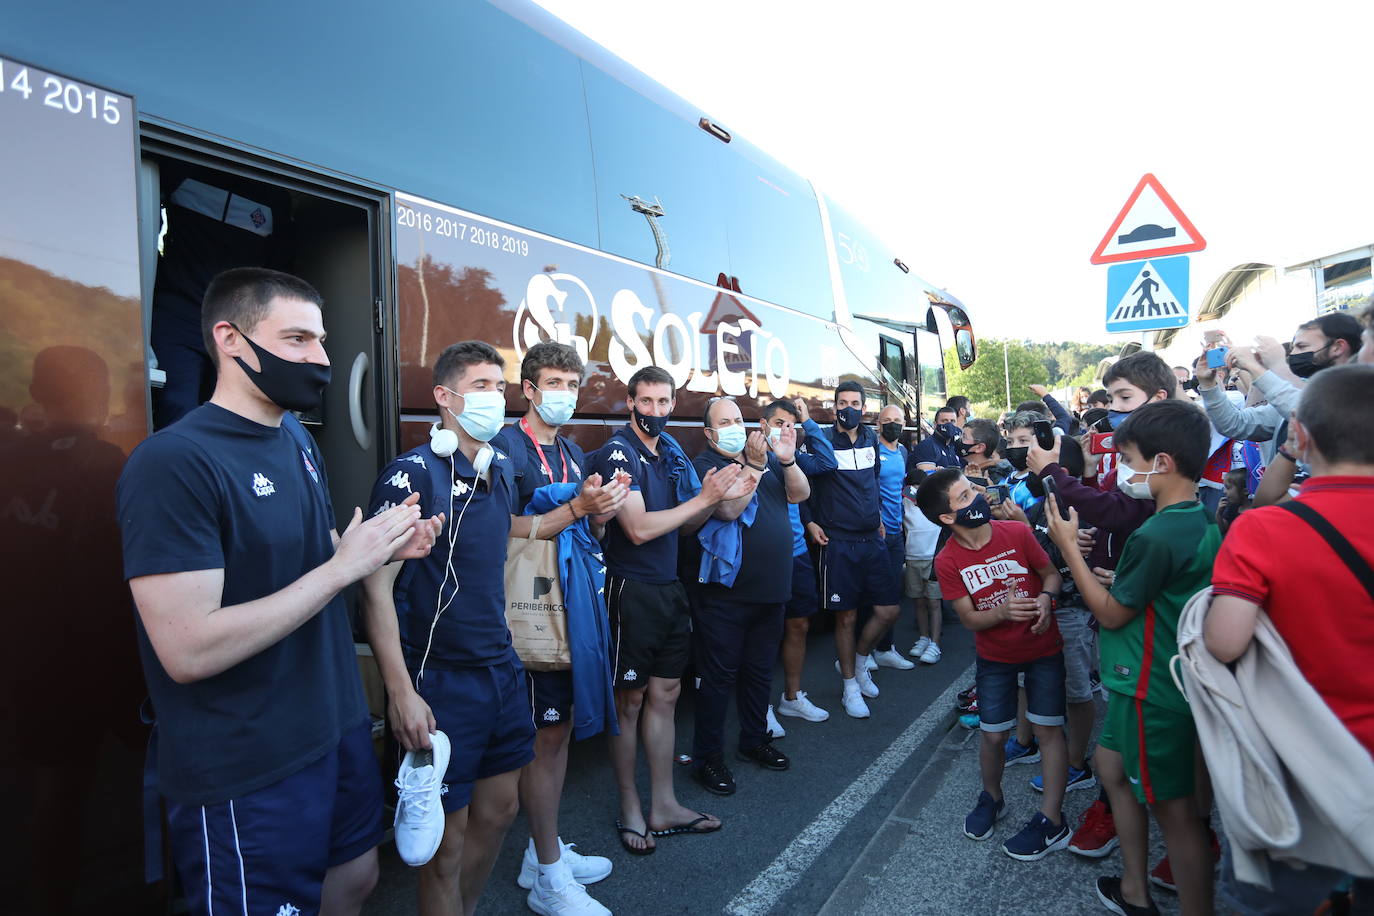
{"x":689,"y":827}
{"x":621,"y":830}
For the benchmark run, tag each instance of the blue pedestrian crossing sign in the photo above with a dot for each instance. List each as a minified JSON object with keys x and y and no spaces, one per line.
{"x":1147,"y":295}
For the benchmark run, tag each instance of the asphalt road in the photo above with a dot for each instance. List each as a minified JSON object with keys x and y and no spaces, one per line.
{"x":789,"y":839}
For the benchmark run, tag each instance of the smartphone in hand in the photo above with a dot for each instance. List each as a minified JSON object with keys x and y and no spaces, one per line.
{"x":1052,"y":489}
{"x":1044,"y":434}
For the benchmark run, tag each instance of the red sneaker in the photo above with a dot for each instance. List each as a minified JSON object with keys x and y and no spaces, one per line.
{"x":1163,"y":874}
{"x":1096,"y":833}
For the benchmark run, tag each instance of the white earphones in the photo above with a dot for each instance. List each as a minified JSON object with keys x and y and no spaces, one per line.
{"x":444,"y":442}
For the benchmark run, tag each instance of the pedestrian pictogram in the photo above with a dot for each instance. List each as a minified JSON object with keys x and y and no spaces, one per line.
{"x":1147,"y":295}
{"x":1151,"y":225}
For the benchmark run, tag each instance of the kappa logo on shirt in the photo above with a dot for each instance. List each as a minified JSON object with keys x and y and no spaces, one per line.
{"x":416,"y":459}
{"x":618,"y":455}
{"x":262,"y":486}
{"x":400,"y":480}
{"x":550,"y":715}
{"x":643,"y":460}
{"x":834,"y":597}
{"x":384,"y":507}
{"x":460,"y":488}
{"x":287,"y":909}
{"x":631,"y":675}
{"x":980,"y":576}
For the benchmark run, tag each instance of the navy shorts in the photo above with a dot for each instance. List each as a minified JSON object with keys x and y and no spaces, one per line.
{"x":803,"y":601}
{"x":651,"y":631}
{"x":268,"y":851}
{"x":486,"y":714}
{"x":551,"y":697}
{"x":997,"y":683}
{"x":855,"y":573}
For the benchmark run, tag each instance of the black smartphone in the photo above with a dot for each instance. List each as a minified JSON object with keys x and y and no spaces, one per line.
{"x":998,"y":493}
{"x":1044,"y":434}
{"x":1053,"y":490}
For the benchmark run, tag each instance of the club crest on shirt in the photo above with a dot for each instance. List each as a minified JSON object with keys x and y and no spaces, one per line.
{"x":262,"y":486}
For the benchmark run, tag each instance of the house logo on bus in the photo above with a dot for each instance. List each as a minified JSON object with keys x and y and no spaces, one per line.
{"x":723,"y":351}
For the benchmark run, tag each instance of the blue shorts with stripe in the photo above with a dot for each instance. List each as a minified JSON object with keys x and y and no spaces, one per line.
{"x":268,"y":851}
{"x":856,"y":573}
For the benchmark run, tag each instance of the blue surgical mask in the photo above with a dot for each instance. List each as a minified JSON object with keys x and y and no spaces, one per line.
{"x":730,"y":439}
{"x":848,"y":417}
{"x":976,"y":514}
{"x":1115,"y":417}
{"x":484,"y":413}
{"x":556,"y":407}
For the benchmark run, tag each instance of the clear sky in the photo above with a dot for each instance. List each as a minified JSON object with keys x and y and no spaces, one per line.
{"x":992,"y":144}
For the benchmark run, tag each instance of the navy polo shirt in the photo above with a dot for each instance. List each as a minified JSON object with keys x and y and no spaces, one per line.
{"x":845,"y":502}
{"x":653,"y":562}
{"x":471,"y":631}
{"x":891,"y":479}
{"x":530,"y":472}
{"x":765,"y":573}
{"x":931,"y":450}
{"x":216,"y":490}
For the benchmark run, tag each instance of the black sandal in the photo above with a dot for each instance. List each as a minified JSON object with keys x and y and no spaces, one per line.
{"x":690,"y":827}
{"x":646,"y":850}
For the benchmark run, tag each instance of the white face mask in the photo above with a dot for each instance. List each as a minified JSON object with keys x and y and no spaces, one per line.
{"x":1136,"y":489}
{"x":774,"y":434}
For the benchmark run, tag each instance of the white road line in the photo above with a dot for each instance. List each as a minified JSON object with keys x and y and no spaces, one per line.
{"x":763,"y":893}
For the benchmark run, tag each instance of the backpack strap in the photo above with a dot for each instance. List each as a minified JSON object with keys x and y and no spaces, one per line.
{"x":1337,"y":541}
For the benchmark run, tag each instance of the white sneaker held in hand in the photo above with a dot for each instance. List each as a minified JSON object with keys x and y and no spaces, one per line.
{"x":419,"y":815}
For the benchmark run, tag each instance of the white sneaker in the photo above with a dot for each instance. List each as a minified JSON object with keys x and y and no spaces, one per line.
{"x":419,"y":815}
{"x":872,"y":663}
{"x":563,"y":895}
{"x":585,"y":869}
{"x":775,"y":729}
{"x":854,"y":705}
{"x":920,"y":647}
{"x":931,"y":655}
{"x":890,"y":658}
{"x":802,"y":708}
{"x":865,"y":679}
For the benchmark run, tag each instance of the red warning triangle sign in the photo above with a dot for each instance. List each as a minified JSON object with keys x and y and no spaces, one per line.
{"x":1151,"y":225}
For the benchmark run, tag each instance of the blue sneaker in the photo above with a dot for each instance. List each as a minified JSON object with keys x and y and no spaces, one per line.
{"x":978,"y":824}
{"x":969,"y":720}
{"x":1016,"y":752}
{"x":1038,"y":839}
{"x":1078,"y":779}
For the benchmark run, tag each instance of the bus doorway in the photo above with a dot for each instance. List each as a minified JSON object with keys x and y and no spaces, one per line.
{"x":212,"y":215}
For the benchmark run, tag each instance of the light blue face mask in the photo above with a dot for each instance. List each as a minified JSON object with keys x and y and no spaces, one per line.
{"x":775,"y":434}
{"x":556,"y":407}
{"x":730,"y":439}
{"x":484,"y":412}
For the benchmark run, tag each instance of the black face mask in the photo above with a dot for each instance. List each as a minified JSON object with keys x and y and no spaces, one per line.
{"x":289,"y":385}
{"x":976,"y":514}
{"x":947,"y":432}
{"x":848,"y":417}
{"x":1017,"y":456}
{"x":1305,"y":365}
{"x":963,"y":448}
{"x":891,"y":431}
{"x":652,"y":426}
